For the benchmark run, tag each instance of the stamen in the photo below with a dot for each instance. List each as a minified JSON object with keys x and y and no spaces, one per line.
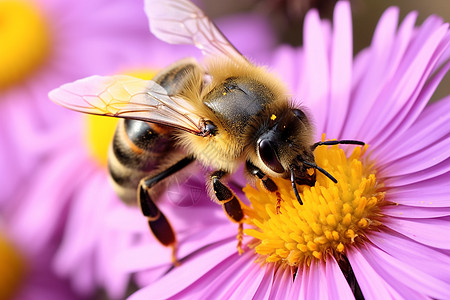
{"x":333,"y":217}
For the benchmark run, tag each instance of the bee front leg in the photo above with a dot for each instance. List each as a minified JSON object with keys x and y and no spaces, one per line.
{"x":266,"y":181}
{"x":158,"y":223}
{"x":230,"y":203}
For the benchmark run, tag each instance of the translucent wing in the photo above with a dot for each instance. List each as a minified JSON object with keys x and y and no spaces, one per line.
{"x":181,"y":22}
{"x":127,"y":97}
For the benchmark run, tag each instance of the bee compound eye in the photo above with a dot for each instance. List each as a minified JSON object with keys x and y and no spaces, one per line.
{"x":209,"y":128}
{"x":268,"y":156}
{"x":299,"y":114}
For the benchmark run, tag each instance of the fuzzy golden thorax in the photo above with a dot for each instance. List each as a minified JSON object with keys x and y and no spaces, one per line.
{"x":236,"y":98}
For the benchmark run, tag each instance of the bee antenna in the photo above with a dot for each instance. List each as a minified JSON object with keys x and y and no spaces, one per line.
{"x":313,"y":165}
{"x":294,"y":186}
{"x":330,"y":143}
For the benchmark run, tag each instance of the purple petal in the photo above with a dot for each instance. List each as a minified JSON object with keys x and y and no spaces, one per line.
{"x":252,"y":281}
{"x":402,"y":90}
{"x":81,"y":236}
{"x":188,"y":273}
{"x":372,"y":285}
{"x":422,"y":175}
{"x":413,"y":212}
{"x":412,"y":92}
{"x":287,"y":64}
{"x":341,"y":69}
{"x":427,"y":130}
{"x":136,"y":258}
{"x":282,"y":284}
{"x":431,"y":232}
{"x":46,"y":199}
{"x":427,"y":193}
{"x":337,"y":285}
{"x":374,"y":74}
{"x":409,"y":281}
{"x":297,"y":285}
{"x":317,"y":283}
{"x":425,"y":259}
{"x":265,"y":287}
{"x":423,"y":159}
{"x":238,"y":28}
{"x":222,"y":281}
{"x":314,"y":86}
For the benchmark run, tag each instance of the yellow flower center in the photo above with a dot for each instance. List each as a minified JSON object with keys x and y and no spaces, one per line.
{"x":100,"y":130}
{"x":12,"y":266}
{"x":332,"y":218}
{"x":24,"y":40}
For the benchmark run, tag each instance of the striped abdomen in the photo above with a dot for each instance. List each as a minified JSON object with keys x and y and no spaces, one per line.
{"x":139,"y":147}
{"x":136,"y":150}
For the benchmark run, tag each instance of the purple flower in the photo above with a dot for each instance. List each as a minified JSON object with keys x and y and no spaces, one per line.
{"x":386,"y":220}
{"x":44,"y":44}
{"x":27,"y":272}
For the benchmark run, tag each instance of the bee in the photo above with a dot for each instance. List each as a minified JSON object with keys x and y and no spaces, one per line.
{"x":222,"y":113}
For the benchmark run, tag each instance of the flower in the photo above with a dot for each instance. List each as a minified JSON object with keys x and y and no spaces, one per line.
{"x":76,"y":179}
{"x":44,"y":44}
{"x":382,"y":230}
{"x":26,"y":271}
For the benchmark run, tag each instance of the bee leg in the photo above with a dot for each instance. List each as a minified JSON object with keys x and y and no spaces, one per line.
{"x":230,"y":203}
{"x":267,"y":182}
{"x":158,"y":223}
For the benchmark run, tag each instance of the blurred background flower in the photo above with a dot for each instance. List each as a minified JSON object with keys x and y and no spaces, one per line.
{"x":57,"y":208}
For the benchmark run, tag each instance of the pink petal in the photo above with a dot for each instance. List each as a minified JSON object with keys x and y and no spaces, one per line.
{"x":431,"y":232}
{"x":265,"y":287}
{"x":428,"y":129}
{"x":282,"y":284}
{"x":423,"y":159}
{"x":317,"y":284}
{"x":253,"y":281}
{"x":374,"y":77}
{"x":400,"y":93}
{"x":427,"y":193}
{"x":287,"y":64}
{"x":314,"y":86}
{"x":422,"y":175}
{"x":303,"y":276}
{"x":413,"y":92}
{"x":136,"y":258}
{"x":81,"y":236}
{"x":48,"y":200}
{"x":413,"y":212}
{"x":187,"y":274}
{"x":405,"y":277}
{"x":372,"y":285}
{"x":425,"y":259}
{"x":297,"y":285}
{"x":341,"y":70}
{"x":223,"y":280}
{"x":337,"y":285}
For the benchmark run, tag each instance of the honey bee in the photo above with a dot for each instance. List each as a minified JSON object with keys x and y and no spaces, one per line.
{"x":223,"y":113}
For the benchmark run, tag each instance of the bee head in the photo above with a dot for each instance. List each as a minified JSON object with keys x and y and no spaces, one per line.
{"x":285,"y":136}
{"x":285,"y":149}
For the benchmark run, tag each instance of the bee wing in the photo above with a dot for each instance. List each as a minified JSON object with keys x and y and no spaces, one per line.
{"x":127,"y":97}
{"x":181,"y":22}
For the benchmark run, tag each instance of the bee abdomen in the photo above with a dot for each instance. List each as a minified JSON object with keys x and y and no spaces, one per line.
{"x":136,"y":150}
